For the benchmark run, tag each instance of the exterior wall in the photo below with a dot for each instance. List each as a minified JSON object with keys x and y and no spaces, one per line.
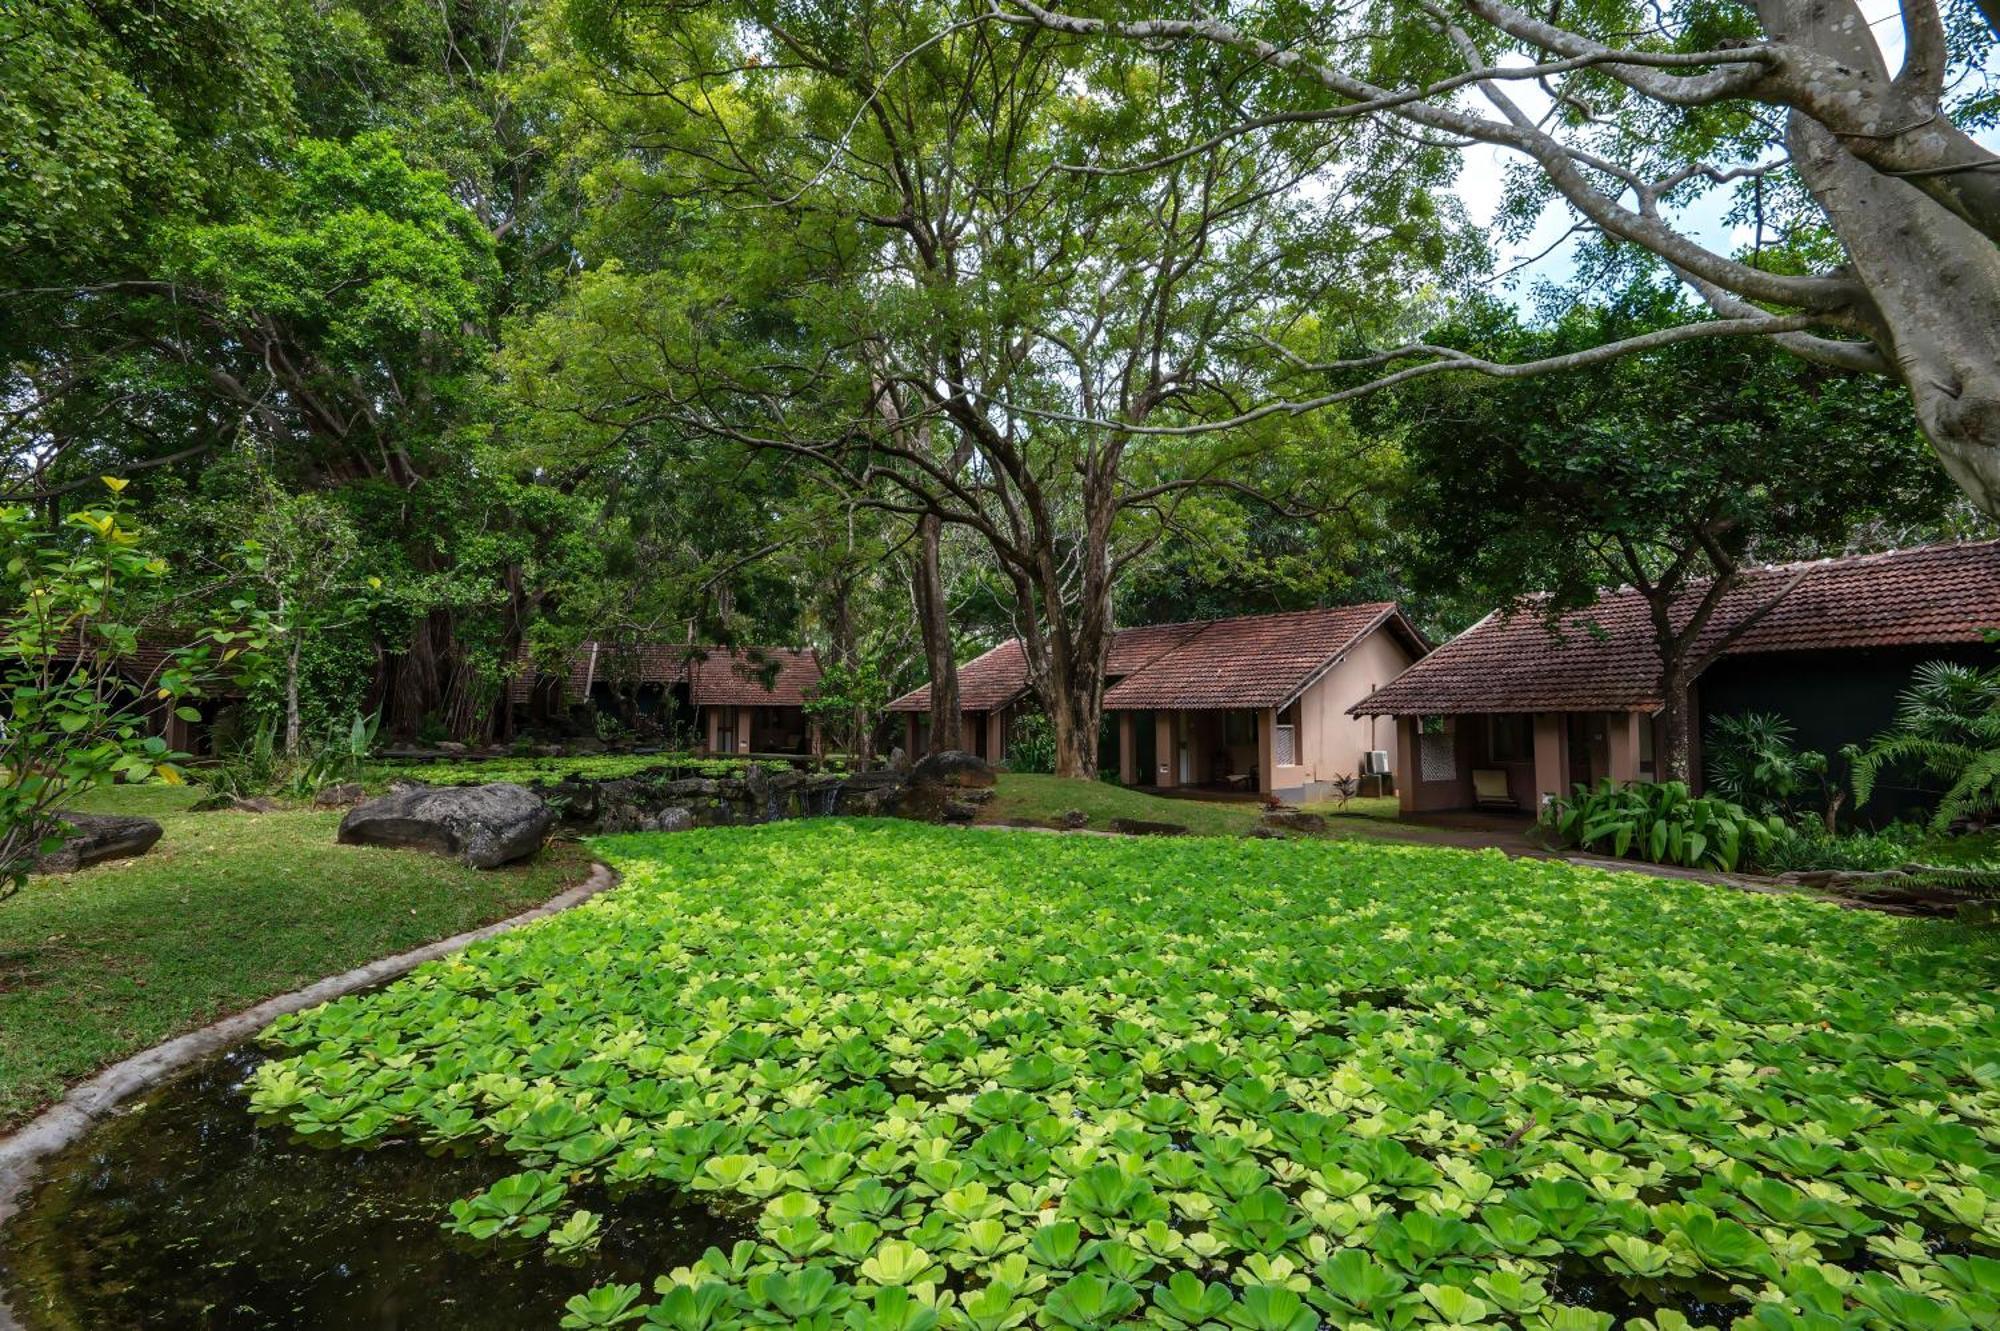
{"x":1414,"y":794}
{"x":1332,"y":743}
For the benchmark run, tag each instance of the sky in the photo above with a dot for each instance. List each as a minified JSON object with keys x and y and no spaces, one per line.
{"x":1481,"y":176}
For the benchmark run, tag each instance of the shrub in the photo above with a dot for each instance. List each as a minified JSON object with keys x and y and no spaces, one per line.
{"x":1948,"y":727}
{"x":1752,"y":760}
{"x":1665,"y":824}
{"x":1810,"y":846}
{"x":1031,"y":744}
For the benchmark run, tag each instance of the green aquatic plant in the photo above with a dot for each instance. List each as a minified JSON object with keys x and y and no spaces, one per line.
{"x":986,"y":1081}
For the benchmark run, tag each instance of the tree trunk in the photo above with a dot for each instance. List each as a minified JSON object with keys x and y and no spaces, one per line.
{"x":1677,"y":756}
{"x":292,"y":696}
{"x":934,"y":623}
{"x":1932,"y":278}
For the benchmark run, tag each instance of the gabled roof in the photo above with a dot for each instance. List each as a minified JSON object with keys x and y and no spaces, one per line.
{"x":1248,"y":661}
{"x":752,"y":676}
{"x":986,"y":683}
{"x":1602,"y":658}
{"x":715,"y":676}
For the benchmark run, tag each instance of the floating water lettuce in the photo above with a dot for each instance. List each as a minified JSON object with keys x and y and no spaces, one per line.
{"x":986,"y":1081}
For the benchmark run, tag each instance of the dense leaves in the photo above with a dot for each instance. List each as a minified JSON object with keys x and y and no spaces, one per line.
{"x":987,"y":1079}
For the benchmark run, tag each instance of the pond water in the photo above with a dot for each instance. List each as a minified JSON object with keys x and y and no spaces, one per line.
{"x":185,"y":1211}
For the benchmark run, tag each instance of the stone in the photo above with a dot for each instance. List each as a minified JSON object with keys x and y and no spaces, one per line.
{"x":450,"y":746}
{"x":1143,"y":827}
{"x":957,"y":811}
{"x":671,"y":819}
{"x":1073,"y":819}
{"x":338,"y":794}
{"x":1264,"y":832}
{"x":96,"y":837}
{"x":1295,"y":820}
{"x":485,"y":826}
{"x":954,"y":769}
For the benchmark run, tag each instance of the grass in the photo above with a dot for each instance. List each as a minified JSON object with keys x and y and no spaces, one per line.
{"x":228,"y":909}
{"x":980,"y":1081}
{"x":1026,"y":797}
{"x":528,"y":769}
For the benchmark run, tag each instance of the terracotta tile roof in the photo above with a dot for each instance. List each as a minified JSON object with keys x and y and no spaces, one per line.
{"x":716,"y":676}
{"x":987,"y":682}
{"x":1254,"y":661}
{"x":752,"y":677}
{"x":1249,"y":661}
{"x":1602,"y":658}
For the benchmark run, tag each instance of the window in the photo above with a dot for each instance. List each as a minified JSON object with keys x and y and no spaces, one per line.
{"x":1510,"y":738}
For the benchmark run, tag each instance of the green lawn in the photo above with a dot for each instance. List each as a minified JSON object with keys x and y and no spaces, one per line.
{"x":226,"y":910}
{"x":968,"y":1079}
{"x":1026,"y":797}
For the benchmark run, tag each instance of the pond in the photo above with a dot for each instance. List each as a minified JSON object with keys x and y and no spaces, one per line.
{"x":184,"y":1210}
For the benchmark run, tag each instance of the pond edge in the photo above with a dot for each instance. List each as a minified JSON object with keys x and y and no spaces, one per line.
{"x":22,"y":1154}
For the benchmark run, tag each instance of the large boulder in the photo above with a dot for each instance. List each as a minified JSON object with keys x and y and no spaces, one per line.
{"x":96,"y":837}
{"x":485,"y":826}
{"x":953,"y":769}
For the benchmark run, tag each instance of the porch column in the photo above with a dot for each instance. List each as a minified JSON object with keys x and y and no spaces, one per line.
{"x":1128,"y":751}
{"x":1165,"y":751}
{"x":1267,"y":750}
{"x":714,"y":728}
{"x":1409,"y":765}
{"x":1551,"y":757}
{"x":909,"y":736}
{"x":996,"y":735}
{"x":1623,"y":733}
{"x":743,"y":730}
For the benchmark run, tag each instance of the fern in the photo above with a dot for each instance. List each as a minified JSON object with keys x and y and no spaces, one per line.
{"x":1947,"y":726}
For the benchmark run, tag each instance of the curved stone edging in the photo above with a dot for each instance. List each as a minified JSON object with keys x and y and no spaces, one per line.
{"x":77,"y":1112}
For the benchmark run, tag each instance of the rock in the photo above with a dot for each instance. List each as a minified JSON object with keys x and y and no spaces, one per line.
{"x":485,"y":826}
{"x":1295,"y":820}
{"x":1142,"y":827}
{"x":1265,"y":832}
{"x":1073,"y":819}
{"x":957,"y":811}
{"x":338,"y":794}
{"x":978,"y":795}
{"x":953,"y":769}
{"x":235,"y":804}
{"x":449,"y":746}
{"x":96,"y":837}
{"x":672,"y":819}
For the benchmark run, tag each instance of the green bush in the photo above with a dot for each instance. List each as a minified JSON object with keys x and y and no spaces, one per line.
{"x":1665,"y":824}
{"x":1947,"y":727}
{"x":1752,"y":760}
{"x":1031,"y":744}
{"x":1810,"y":846}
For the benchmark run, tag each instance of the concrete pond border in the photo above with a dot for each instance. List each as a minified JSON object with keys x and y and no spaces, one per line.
{"x":22,"y":1153}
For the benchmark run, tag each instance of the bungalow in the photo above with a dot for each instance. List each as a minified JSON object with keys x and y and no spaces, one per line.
{"x":741,"y":699}
{"x":1257,"y":702}
{"x":1512,"y":711}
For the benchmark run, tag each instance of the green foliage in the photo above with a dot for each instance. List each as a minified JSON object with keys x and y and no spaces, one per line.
{"x":1752,"y":761}
{"x":80,"y":697}
{"x":530,"y":771}
{"x":1031,"y":744}
{"x":1948,"y":727}
{"x":1664,"y":823}
{"x":1808,"y":845}
{"x":982,"y":1080}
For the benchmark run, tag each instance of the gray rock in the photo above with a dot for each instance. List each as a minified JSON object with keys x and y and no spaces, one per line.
{"x":953,"y":769}
{"x":1294,"y":820}
{"x":1073,"y":818}
{"x":485,"y":826}
{"x":96,"y":837}
{"x":338,"y":794}
{"x":671,"y":819}
{"x":1142,"y":827}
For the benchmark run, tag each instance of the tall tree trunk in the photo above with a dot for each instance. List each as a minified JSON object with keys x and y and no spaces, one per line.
{"x":1933,"y":279}
{"x":1677,"y":725}
{"x":292,"y":698}
{"x":934,"y":623}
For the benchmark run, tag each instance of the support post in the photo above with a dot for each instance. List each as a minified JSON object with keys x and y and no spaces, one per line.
{"x":1166,"y":751}
{"x":1551,"y":757}
{"x":743,"y":730}
{"x":996,"y":735}
{"x":1623,"y":733}
{"x":1128,"y":751}
{"x":1267,"y":750}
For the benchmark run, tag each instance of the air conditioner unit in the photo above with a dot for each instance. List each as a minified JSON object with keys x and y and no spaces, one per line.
{"x":1375,"y":762}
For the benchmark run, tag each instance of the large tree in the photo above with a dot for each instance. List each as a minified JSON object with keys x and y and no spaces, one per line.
{"x":867,"y":252}
{"x":1876,"y":211}
{"x":1670,"y":471}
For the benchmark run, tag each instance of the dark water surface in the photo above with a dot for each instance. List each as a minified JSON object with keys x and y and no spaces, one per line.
{"x":185,"y":1211}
